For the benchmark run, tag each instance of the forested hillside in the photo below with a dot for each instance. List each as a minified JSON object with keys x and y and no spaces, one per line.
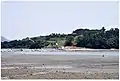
{"x":97,"y":39}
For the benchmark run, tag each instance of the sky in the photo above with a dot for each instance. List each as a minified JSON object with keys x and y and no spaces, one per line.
{"x":22,"y":19}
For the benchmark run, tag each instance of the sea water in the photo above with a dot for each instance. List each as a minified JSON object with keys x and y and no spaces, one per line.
{"x":85,"y":52}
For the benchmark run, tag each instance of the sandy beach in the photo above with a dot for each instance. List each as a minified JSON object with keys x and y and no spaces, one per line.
{"x":40,"y":66}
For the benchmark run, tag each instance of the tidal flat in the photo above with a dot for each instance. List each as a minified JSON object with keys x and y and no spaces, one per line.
{"x":80,"y":65}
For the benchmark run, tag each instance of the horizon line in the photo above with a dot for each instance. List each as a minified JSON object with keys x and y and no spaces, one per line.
{"x":56,"y":33}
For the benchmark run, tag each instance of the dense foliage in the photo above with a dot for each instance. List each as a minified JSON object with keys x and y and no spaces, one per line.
{"x":98,"y":39}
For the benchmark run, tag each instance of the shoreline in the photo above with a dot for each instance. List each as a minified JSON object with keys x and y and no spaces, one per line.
{"x":57,"y":50}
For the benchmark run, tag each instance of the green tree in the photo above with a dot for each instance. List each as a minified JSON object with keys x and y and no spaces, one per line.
{"x":69,"y":41}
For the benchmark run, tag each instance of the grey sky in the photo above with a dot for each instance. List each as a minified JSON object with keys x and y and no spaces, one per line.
{"x":29,"y":19}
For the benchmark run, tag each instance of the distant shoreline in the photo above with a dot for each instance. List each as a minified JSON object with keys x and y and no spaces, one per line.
{"x":57,"y":50}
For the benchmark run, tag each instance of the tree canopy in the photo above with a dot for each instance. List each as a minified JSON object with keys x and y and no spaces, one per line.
{"x":97,"y":39}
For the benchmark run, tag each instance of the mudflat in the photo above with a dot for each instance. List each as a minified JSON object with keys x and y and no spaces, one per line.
{"x":40,"y":66}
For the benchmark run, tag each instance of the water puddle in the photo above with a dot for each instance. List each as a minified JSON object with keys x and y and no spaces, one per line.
{"x":4,"y":78}
{"x":39,"y":73}
{"x":38,"y":67}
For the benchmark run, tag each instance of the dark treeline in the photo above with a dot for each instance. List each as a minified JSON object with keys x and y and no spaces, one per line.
{"x":97,"y":39}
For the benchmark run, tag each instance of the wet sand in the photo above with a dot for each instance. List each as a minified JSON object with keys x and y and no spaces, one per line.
{"x":40,"y":66}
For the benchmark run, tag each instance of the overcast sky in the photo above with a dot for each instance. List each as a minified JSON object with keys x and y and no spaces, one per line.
{"x":29,"y":19}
